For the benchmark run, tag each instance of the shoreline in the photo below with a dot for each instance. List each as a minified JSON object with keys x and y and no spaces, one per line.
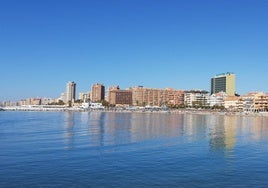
{"x":160,"y":111}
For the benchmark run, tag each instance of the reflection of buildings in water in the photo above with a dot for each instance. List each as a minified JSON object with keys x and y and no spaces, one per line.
{"x":118,"y":128}
{"x":260,"y":128}
{"x":256,"y":127}
{"x":222,"y":132}
{"x":154,"y":125}
{"x":217,"y":133}
{"x":195,"y":126}
{"x":69,"y":123}
{"x":96,"y":128}
{"x":230,"y":123}
{"x":84,"y":116}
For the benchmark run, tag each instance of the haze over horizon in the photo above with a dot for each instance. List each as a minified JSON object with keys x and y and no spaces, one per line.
{"x":156,"y":44}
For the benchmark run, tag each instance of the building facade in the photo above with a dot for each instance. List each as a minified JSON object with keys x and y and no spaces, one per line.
{"x":261,"y":102}
{"x":196,"y":98}
{"x":156,"y":97}
{"x":119,"y":97}
{"x":217,"y":99}
{"x":223,"y":83}
{"x":70,"y":92}
{"x":30,"y":101}
{"x":97,"y":92}
{"x":84,"y":96}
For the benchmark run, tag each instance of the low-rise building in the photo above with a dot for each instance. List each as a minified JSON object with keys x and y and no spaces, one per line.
{"x":217,"y":99}
{"x":232,"y":103}
{"x":261,"y":102}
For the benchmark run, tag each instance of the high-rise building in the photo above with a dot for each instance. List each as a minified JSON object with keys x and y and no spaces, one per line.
{"x":223,"y":82}
{"x":70,"y":92}
{"x":97,"y":92}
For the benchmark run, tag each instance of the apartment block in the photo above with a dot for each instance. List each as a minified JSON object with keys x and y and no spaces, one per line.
{"x":97,"y":92}
{"x":116,"y":96}
{"x":30,"y":101}
{"x":261,"y":102}
{"x":84,"y":96}
{"x":234,"y":103}
{"x":156,"y":97}
{"x":196,"y":98}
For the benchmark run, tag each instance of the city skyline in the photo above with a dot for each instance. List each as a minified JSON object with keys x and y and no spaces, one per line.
{"x":159,"y":44}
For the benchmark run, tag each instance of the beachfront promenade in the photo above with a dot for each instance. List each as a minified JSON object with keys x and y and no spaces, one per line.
{"x":131,"y":110}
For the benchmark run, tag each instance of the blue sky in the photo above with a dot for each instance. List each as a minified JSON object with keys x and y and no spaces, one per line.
{"x":154,"y":43}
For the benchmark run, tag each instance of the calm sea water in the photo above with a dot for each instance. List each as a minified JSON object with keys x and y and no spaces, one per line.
{"x":97,"y":149}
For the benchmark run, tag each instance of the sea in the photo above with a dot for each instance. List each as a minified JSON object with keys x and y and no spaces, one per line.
{"x":114,"y":149}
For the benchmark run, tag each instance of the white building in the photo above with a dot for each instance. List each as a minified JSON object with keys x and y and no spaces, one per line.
{"x":84,"y":96}
{"x":248,"y":101}
{"x":217,"y":99}
{"x":196,"y":98}
{"x":233,"y":103}
{"x":96,"y":106}
{"x":92,"y":105}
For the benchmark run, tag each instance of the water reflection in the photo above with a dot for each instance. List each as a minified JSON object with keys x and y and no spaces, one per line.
{"x":148,"y":126}
{"x":96,"y":128}
{"x":123,"y":128}
{"x":195,"y":126}
{"x":222,"y":133}
{"x":69,"y":133}
{"x":256,"y":128}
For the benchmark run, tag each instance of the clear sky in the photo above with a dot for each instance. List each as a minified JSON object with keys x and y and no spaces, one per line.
{"x":154,"y":43}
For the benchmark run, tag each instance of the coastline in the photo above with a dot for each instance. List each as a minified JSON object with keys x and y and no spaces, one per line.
{"x":121,"y":110}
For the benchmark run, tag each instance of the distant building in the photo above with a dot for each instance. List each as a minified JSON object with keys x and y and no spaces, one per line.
{"x":35,"y":101}
{"x":217,"y":99}
{"x":248,"y":101}
{"x":196,"y":98}
{"x":70,"y":92}
{"x":261,"y":102}
{"x":46,"y":101}
{"x":223,"y":83}
{"x":156,"y":97}
{"x":30,"y":101}
{"x":233,"y":103}
{"x":97,"y":92}
{"x":253,"y":102}
{"x":119,"y":97}
{"x":84,"y":96}
{"x":62,"y":97}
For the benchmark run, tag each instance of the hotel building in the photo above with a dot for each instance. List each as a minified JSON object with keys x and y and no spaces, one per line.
{"x":223,"y":83}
